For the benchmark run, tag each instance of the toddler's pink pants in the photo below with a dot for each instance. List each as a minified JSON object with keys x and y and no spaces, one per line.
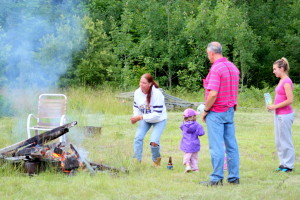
{"x":191,"y":159}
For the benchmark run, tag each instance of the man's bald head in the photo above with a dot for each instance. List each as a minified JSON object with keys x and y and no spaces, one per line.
{"x":215,"y":47}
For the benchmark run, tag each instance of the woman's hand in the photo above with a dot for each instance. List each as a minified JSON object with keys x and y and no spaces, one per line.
{"x":271,"y":107}
{"x":135,"y":119}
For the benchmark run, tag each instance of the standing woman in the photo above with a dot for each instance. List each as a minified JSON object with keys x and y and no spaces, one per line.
{"x":284,"y":116}
{"x":149,"y":110}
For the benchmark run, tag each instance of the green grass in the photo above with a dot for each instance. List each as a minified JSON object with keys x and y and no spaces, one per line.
{"x":254,"y":132}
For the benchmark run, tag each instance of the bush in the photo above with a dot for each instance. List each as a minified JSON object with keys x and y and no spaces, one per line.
{"x":5,"y":107}
{"x":253,"y":97}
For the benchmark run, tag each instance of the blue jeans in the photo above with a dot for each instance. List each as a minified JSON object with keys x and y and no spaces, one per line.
{"x":221,"y":130}
{"x":143,"y":128}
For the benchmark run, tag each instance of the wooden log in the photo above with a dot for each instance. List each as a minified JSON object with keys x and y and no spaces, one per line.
{"x":15,"y":159}
{"x":39,"y":139}
{"x":171,"y":102}
{"x":103,"y":167}
{"x":70,"y":162}
{"x":87,"y":164}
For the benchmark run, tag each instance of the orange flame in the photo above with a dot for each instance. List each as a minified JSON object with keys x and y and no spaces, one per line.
{"x":55,"y":155}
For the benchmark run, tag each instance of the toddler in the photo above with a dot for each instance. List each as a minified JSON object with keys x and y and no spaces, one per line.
{"x":190,"y":143}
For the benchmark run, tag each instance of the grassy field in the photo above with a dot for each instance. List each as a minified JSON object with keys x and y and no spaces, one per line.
{"x":114,"y":147}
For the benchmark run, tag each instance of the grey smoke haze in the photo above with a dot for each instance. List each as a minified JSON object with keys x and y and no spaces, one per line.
{"x":37,"y":39}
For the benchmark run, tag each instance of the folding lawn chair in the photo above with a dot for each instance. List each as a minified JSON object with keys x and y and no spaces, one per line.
{"x":51,"y":114}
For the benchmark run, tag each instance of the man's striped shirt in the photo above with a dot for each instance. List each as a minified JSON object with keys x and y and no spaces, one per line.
{"x":223,"y":77}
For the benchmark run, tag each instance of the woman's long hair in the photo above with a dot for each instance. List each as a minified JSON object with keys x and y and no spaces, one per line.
{"x":150,"y":79}
{"x":282,"y":63}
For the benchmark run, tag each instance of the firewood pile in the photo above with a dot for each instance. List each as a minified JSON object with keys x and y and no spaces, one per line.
{"x":171,"y":102}
{"x":35,"y":154}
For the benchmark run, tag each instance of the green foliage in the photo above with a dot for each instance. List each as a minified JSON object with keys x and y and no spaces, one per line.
{"x":124,"y":39}
{"x":5,"y":49}
{"x":95,"y":64}
{"x":55,"y":48}
{"x":296,"y":93}
{"x":37,"y":39}
{"x":5,"y":107}
{"x":253,"y":98}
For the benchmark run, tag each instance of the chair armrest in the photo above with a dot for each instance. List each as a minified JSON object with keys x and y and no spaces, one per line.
{"x":28,"y":123}
{"x":31,"y":115}
{"x":62,"y":120}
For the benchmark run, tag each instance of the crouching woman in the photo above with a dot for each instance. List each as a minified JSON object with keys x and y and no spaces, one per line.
{"x":149,"y":110}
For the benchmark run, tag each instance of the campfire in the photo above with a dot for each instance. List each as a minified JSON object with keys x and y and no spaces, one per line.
{"x":36,"y":153}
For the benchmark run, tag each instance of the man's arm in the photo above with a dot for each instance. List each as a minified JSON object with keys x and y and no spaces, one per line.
{"x":212,"y":96}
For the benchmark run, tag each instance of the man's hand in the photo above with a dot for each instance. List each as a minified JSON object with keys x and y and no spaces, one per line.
{"x":204,"y":114}
{"x":211,"y":98}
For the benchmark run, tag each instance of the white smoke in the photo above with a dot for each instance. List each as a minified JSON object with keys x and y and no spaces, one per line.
{"x":37,"y":40}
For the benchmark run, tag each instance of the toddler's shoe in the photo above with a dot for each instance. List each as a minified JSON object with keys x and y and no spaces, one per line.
{"x":187,"y":169}
{"x":196,"y":170}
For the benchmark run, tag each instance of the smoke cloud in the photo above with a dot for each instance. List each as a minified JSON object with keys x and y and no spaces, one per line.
{"x":37,"y":40}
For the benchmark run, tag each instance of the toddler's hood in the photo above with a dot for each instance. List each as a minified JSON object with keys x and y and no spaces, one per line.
{"x":189,"y":127}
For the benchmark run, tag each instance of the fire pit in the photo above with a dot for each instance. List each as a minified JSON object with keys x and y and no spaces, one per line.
{"x":34,"y":152}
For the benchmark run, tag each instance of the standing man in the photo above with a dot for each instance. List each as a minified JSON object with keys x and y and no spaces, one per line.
{"x":221,"y":91}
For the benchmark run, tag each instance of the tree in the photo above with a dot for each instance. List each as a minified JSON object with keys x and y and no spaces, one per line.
{"x":96,"y":63}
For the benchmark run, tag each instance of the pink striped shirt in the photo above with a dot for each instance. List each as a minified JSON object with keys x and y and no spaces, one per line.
{"x":223,"y":77}
{"x":281,"y":96}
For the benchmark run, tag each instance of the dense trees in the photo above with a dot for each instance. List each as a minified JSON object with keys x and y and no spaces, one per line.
{"x":167,"y":38}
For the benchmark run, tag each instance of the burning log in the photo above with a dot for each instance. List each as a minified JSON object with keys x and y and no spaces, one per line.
{"x":35,"y":153}
{"x":94,"y":166}
{"x":38,"y":139}
{"x":70,"y":162}
{"x":87,"y":164}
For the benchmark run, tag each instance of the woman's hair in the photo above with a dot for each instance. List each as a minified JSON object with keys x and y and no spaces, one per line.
{"x":283,"y":63}
{"x":150,"y":79}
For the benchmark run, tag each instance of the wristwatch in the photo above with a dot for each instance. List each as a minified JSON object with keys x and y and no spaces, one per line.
{"x":206,"y":111}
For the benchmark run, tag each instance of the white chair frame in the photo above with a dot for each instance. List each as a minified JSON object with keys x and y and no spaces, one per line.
{"x":57,"y":107}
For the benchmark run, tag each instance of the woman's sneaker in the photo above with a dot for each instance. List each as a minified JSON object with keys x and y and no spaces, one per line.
{"x":287,"y":170}
{"x":280,"y":168}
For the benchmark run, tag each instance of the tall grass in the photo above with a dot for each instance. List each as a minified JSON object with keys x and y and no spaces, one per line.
{"x":254,"y":131}
{"x":93,"y":101}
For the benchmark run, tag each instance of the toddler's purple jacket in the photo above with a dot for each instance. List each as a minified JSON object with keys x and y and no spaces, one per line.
{"x":190,"y":142}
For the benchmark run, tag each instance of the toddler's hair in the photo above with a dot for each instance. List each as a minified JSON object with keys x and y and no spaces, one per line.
{"x":192,"y":118}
